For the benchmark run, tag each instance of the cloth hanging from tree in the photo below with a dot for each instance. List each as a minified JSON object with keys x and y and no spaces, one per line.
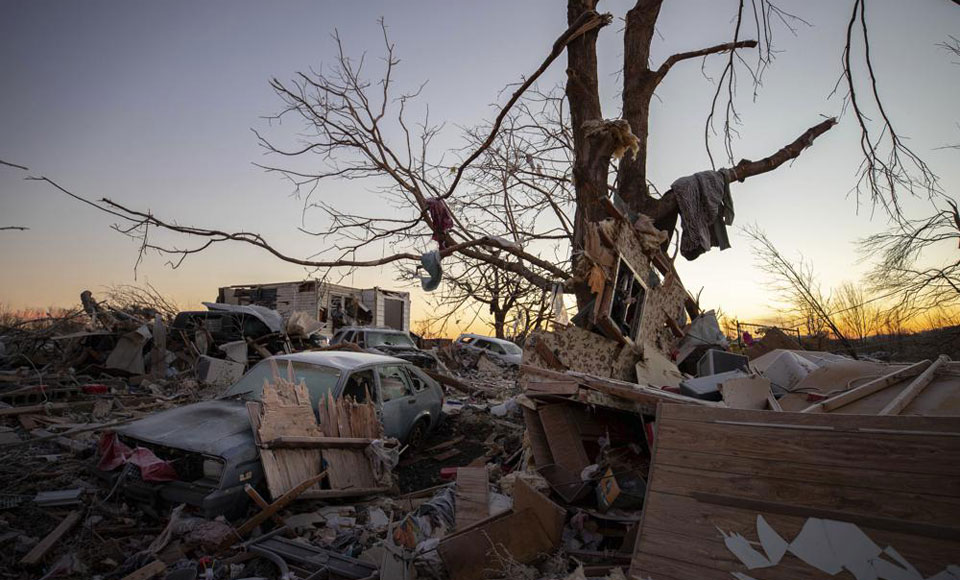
{"x":431,"y":263}
{"x":706,"y":209}
{"x":442,"y":219}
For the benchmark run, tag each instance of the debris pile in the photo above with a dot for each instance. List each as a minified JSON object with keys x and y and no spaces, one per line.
{"x":635,"y":445}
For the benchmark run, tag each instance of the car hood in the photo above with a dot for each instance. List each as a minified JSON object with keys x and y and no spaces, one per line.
{"x":217,"y":427}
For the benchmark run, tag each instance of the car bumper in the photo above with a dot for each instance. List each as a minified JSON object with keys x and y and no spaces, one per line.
{"x":229,"y":502}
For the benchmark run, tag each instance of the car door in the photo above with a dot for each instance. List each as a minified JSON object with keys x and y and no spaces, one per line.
{"x":428,"y":395}
{"x":397,"y":400}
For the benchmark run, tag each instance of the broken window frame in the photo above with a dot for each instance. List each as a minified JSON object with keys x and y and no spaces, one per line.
{"x":604,"y":318}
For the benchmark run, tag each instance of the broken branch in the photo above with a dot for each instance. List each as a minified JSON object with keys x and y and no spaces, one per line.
{"x":587,"y":21}
{"x":725,"y":47}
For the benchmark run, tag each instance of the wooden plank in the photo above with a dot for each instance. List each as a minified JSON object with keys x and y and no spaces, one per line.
{"x":445,"y":444}
{"x":538,"y":438}
{"x":261,"y":503}
{"x":527,"y":370}
{"x":849,"y":423}
{"x":904,"y":505}
{"x":469,"y":555}
{"x":895,"y":478}
{"x":334,"y":493}
{"x":36,"y":555}
{"x":699,"y":522}
{"x":548,"y":356}
{"x":937,"y":531}
{"x":552,"y":517}
{"x":306,"y":442}
{"x":472,"y":495}
{"x":273,"y":508}
{"x":879,"y":480}
{"x":642,"y":393}
{"x":42,"y":409}
{"x":868,"y":388}
{"x":913,"y":389}
{"x":446,"y":454}
{"x":563,"y":437}
{"x":882,"y":451}
{"x":552,"y":387}
{"x":152,"y":569}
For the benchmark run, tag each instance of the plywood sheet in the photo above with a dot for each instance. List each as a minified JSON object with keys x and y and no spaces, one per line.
{"x":724,"y":480}
{"x":472,"y":495}
{"x":563,"y":437}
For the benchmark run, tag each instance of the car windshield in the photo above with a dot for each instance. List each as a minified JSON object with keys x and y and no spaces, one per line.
{"x":319,"y":380}
{"x":511,"y":348}
{"x":389,"y":339}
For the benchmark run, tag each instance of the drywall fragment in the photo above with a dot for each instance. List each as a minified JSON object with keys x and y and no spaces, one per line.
{"x":902,"y":570}
{"x":812,"y":545}
{"x":772,"y":543}
{"x":741,"y":548}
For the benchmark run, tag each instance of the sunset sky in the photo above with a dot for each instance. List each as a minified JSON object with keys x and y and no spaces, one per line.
{"x":151,"y":104}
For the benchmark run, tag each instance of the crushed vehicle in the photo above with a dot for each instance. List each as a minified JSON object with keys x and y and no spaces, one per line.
{"x":205,"y":453}
{"x":226,"y":323}
{"x":498,"y":348}
{"x":388,"y":341}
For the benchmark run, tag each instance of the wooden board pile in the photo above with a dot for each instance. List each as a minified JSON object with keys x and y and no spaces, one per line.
{"x":294,"y":447}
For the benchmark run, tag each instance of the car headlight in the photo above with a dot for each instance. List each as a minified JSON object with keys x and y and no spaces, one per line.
{"x":212,"y":468}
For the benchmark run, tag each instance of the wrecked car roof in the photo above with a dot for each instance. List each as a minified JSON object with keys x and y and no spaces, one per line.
{"x":340,"y":359}
{"x":210,"y":427}
{"x":269,"y":317}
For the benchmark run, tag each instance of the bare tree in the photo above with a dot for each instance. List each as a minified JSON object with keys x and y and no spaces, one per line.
{"x":906,"y":271}
{"x":857,"y":312}
{"x":797,"y":284}
{"x":358,"y":127}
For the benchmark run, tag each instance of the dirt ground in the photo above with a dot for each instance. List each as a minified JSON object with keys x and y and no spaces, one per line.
{"x":482,"y":437}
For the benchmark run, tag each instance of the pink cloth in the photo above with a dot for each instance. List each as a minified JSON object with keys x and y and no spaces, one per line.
{"x":113,"y":454}
{"x":441,"y":218}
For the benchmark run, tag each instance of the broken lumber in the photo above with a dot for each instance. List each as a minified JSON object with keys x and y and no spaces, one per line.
{"x":38,"y":552}
{"x":274,"y":507}
{"x":285,"y":410}
{"x":152,"y":569}
{"x":307,"y":442}
{"x":455,"y":383}
{"x":45,"y":408}
{"x":908,"y":394}
{"x":472,"y":495}
{"x":349,"y":492}
{"x":350,"y":468}
{"x":868,"y":388}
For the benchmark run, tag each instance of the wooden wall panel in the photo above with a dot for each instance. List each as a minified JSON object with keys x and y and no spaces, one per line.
{"x":896,"y":478}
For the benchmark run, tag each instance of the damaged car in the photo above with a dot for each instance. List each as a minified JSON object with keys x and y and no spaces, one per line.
{"x":388,"y":341}
{"x":204,"y":454}
{"x":498,"y":348}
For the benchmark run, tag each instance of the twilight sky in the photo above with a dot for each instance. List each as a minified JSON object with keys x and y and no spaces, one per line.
{"x":151,"y":104}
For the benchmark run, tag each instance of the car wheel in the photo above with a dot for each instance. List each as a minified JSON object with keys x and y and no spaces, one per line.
{"x":417,"y":435}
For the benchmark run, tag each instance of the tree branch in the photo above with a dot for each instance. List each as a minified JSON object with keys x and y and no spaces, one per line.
{"x":725,"y":47}
{"x":746,"y":168}
{"x":587,"y":21}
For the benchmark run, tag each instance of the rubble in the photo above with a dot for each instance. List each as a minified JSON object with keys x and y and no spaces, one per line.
{"x":599,"y":453}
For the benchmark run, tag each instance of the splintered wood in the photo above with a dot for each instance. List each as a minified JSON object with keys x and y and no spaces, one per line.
{"x":285,"y":410}
{"x":295,"y":448}
{"x":349,"y":468}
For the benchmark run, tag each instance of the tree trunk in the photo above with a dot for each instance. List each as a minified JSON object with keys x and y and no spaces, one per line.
{"x":639,"y":82}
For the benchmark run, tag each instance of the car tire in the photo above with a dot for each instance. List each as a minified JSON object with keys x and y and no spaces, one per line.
{"x":418,"y":434}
